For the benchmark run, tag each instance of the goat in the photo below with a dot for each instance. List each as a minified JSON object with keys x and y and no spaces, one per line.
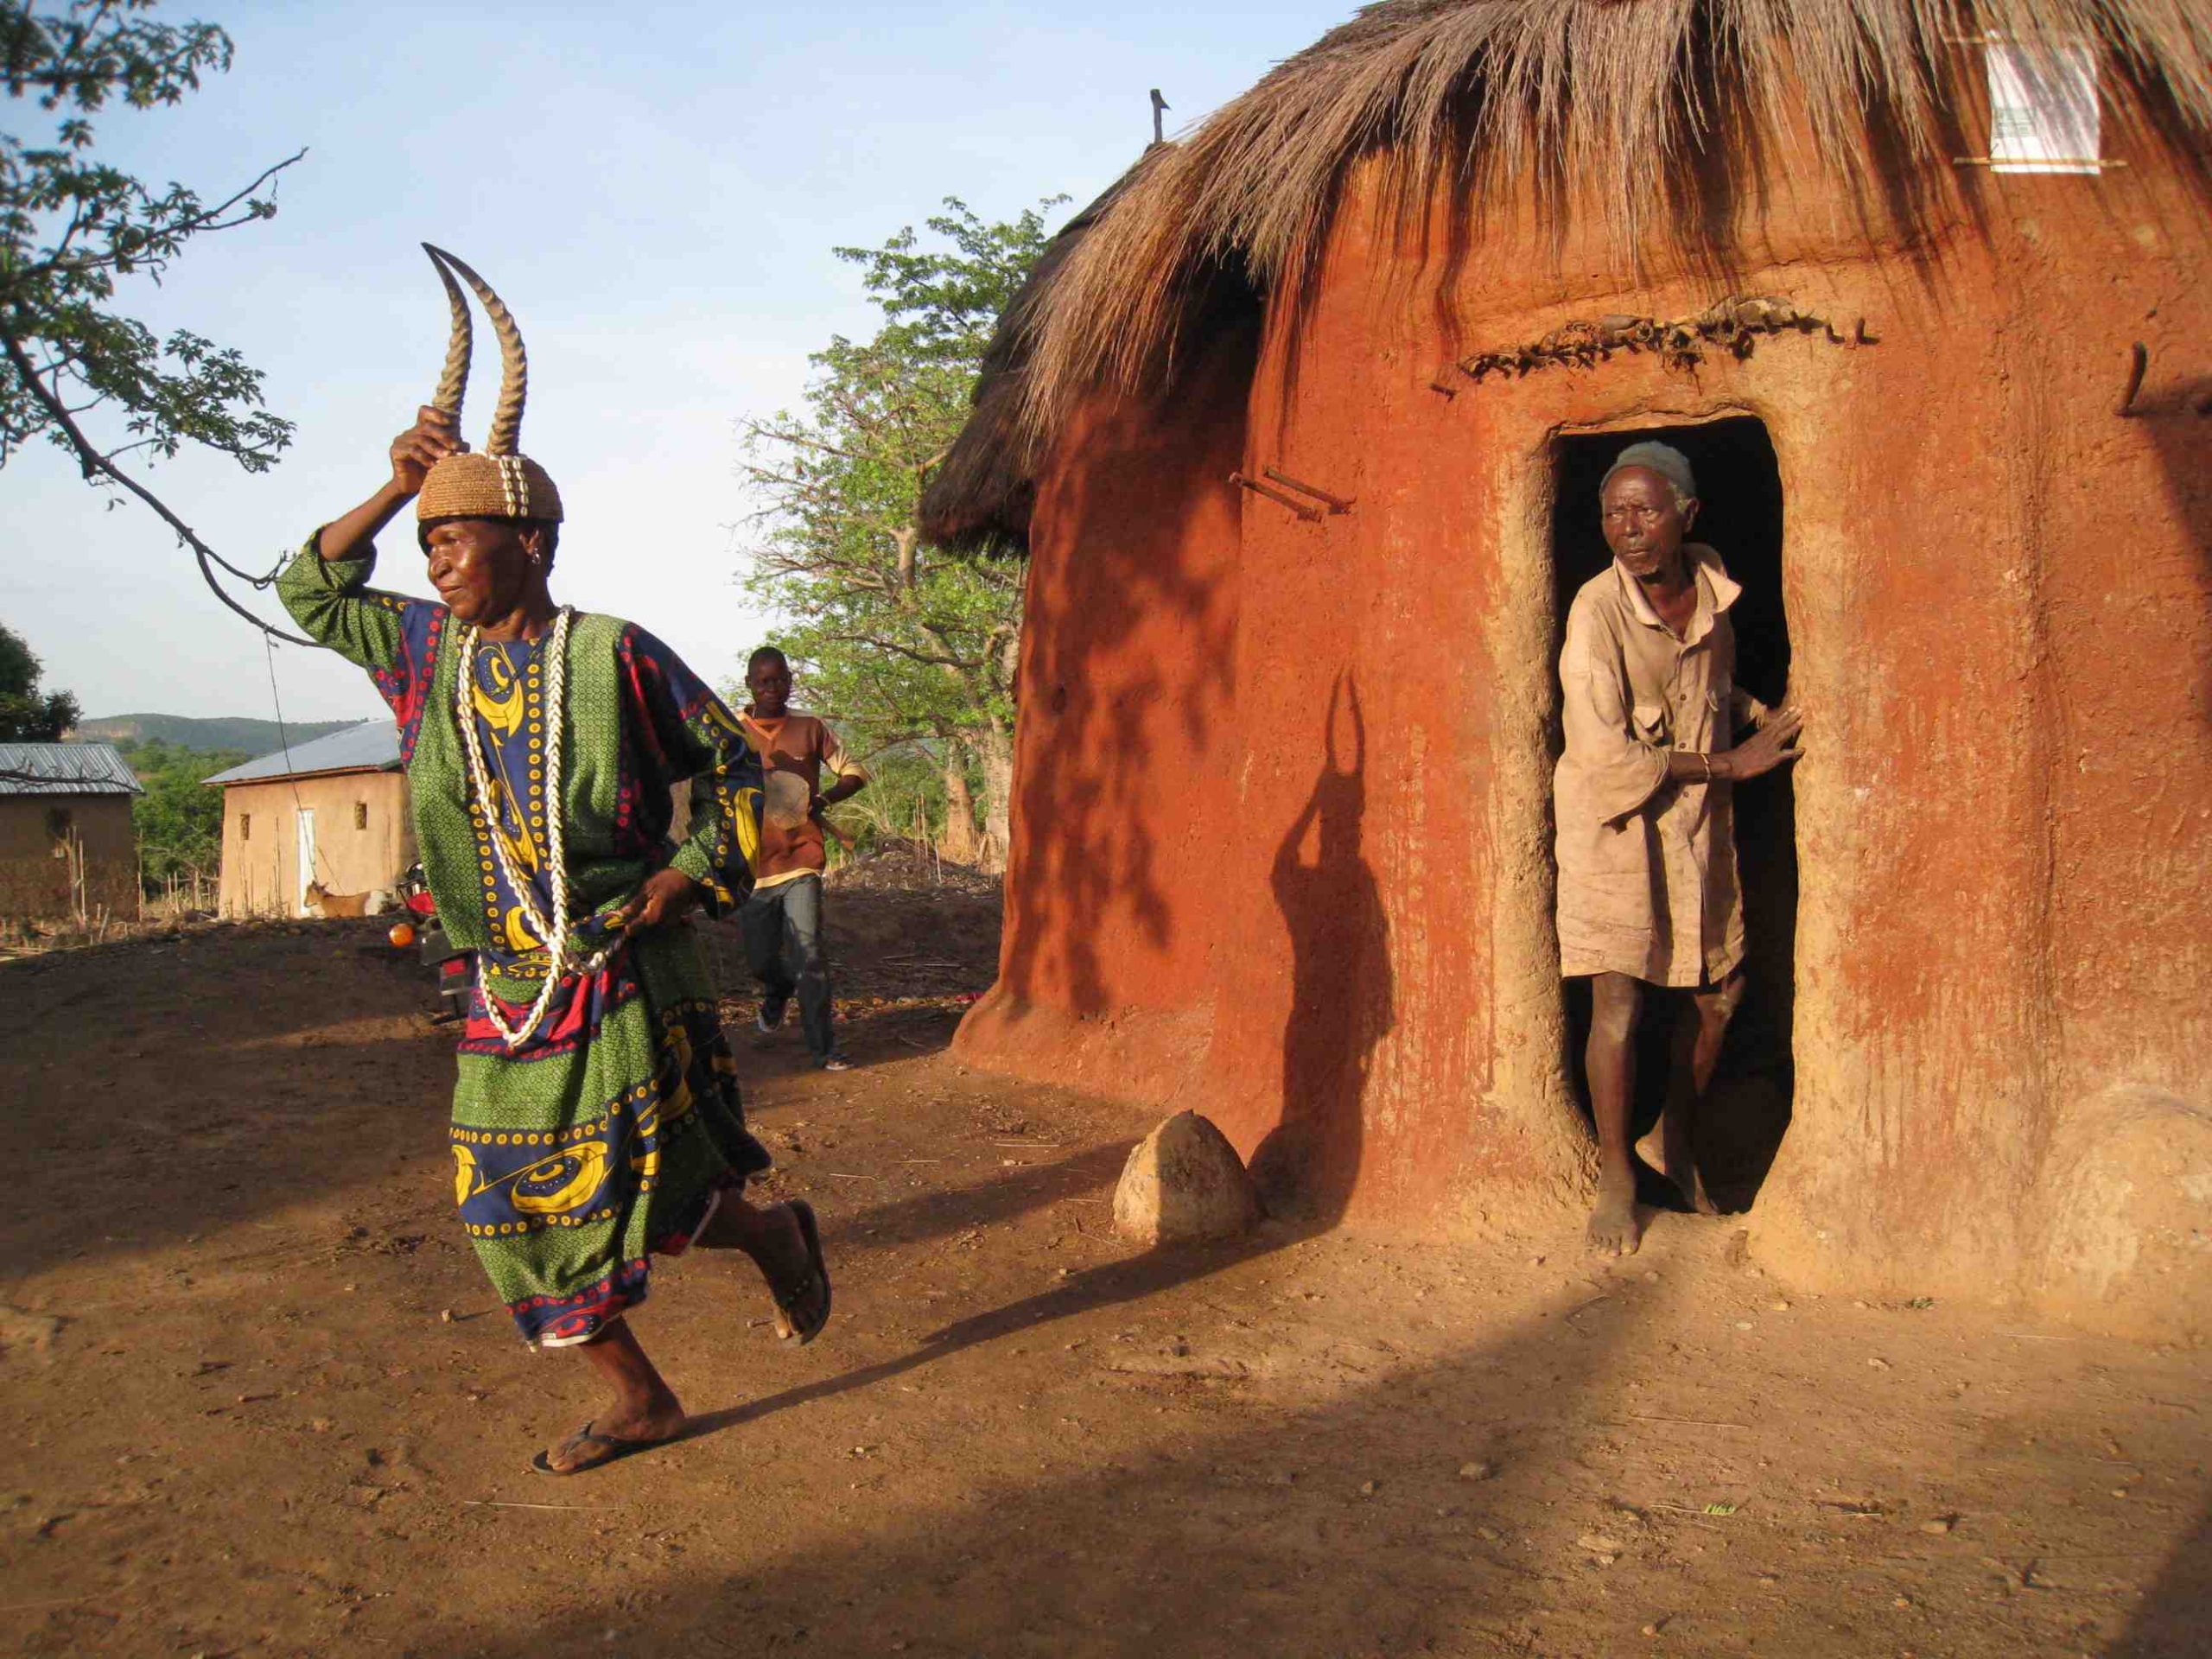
{"x":321,"y":901}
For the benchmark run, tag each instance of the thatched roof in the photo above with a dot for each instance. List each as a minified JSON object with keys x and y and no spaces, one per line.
{"x":1495,"y":94}
{"x":980,"y":495}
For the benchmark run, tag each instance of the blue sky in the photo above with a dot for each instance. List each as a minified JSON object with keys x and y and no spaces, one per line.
{"x":654,"y":190}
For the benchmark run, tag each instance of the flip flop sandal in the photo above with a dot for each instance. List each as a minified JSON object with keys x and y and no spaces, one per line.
{"x":788,"y":1302}
{"x":617,"y":1449}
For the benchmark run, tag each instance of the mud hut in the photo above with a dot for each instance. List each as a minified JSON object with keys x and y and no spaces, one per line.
{"x":1300,"y":430}
{"x":68,"y":850}
{"x":333,"y":810}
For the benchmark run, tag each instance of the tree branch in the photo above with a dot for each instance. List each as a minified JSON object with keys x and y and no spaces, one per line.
{"x":93,"y":463}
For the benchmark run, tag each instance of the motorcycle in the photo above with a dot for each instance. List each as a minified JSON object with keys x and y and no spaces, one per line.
{"x":455,"y":966}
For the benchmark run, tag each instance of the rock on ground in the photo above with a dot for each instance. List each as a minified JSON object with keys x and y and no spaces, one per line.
{"x":1185,"y":1181}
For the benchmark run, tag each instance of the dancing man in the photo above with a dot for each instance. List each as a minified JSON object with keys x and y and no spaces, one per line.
{"x":596,"y":1120}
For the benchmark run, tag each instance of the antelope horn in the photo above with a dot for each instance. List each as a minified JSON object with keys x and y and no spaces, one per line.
{"x":514,"y":364}
{"x":453,"y":382}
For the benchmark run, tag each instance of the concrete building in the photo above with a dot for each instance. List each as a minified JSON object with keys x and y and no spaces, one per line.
{"x":333,"y":810}
{"x":68,"y":850}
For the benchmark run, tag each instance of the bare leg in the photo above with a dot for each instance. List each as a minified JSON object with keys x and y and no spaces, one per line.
{"x":770,"y":1235}
{"x":645,"y":1406}
{"x":1609,"y":1058}
{"x":1696,"y":1056}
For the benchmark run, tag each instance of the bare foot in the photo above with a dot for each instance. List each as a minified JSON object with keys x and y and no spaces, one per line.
{"x":1679,"y":1165}
{"x":1692,"y":1188}
{"x":1614,"y":1228}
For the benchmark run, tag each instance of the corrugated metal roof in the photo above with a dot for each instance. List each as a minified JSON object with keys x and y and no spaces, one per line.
{"x":64,"y":769}
{"x":372,"y":745}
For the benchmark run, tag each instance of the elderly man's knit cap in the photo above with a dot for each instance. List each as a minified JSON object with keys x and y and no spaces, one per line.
{"x":1663,"y":459}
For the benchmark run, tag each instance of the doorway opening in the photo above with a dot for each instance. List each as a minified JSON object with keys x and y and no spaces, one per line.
{"x":1744,"y":1116}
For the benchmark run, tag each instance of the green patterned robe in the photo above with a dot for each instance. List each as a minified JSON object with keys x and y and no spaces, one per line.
{"x":609,"y":1134}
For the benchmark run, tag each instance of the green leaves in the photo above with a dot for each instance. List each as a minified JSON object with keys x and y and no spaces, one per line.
{"x":28,"y":714}
{"x":897,"y":641}
{"x":179,"y":819}
{"x":70,"y":225}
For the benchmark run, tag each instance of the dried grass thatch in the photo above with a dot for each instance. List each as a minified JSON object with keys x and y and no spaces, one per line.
{"x":979,"y":496}
{"x":1642,"y":98}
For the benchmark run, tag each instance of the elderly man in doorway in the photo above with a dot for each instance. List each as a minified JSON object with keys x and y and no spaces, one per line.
{"x":1642,"y":797}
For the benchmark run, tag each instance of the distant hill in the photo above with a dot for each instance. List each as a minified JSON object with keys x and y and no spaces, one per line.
{"x":255,"y":737}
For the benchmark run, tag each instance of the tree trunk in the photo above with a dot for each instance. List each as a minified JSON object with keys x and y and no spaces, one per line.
{"x":959,"y":842}
{"x":995,"y":746}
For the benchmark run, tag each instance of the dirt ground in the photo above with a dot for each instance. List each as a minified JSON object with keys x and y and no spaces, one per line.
{"x":260,"y":1401}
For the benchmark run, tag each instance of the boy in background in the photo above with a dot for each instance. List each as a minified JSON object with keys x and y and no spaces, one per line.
{"x":782,"y":919}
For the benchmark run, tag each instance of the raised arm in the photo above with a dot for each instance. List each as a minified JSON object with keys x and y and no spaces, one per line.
{"x":414,"y":452}
{"x":326,"y":589}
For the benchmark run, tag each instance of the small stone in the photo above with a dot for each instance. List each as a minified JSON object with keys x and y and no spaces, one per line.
{"x":1652,"y":1629}
{"x":1652,"y":1277}
{"x":1598,"y":1544}
{"x":1480,"y":1469}
{"x":1536,"y":1260}
{"x":1858,"y":1304}
{"x":1779,"y":1306}
{"x":2120,"y":1491}
{"x":1743,"y":1324}
{"x":1185,"y":1181}
{"x":1877,"y":1364}
{"x":1938,"y":1527}
{"x":1901,"y":1601}
{"x":1367,"y":1489}
{"x":321,"y":1425}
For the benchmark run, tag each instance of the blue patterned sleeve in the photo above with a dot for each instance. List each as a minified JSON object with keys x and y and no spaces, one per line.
{"x":697,"y":737}
{"x":394,"y":636}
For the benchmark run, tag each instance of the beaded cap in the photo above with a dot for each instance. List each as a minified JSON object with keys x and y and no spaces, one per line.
{"x":497,"y":481}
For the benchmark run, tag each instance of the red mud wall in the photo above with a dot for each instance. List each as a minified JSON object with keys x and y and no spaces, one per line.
{"x":1125,"y":787}
{"x":2000,"y":605}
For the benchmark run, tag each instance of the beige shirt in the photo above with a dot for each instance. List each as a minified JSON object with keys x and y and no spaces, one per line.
{"x":1646,"y":869}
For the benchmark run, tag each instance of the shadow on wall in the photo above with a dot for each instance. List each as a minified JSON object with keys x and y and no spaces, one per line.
{"x":2183,"y":440}
{"x":1343,"y":1001}
{"x":1132,"y":619}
